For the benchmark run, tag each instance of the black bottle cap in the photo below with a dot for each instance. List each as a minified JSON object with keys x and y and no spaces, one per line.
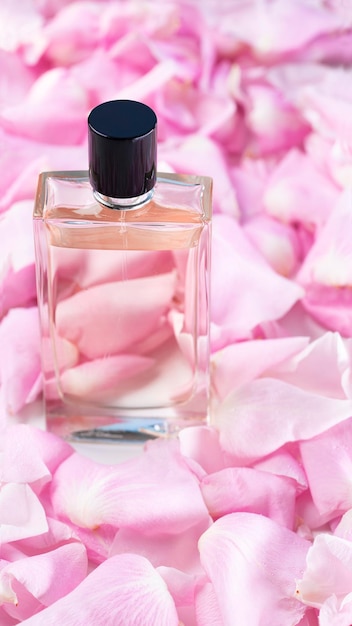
{"x":122,"y":148}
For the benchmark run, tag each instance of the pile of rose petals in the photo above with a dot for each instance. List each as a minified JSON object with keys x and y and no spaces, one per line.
{"x":247,"y":522}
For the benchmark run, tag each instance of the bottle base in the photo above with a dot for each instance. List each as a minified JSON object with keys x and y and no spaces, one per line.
{"x":79,"y":427}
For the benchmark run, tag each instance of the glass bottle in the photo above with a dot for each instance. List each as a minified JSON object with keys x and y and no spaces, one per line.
{"x":122,"y":260}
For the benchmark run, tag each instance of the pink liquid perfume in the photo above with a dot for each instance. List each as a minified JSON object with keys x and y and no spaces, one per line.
{"x":122,"y":257}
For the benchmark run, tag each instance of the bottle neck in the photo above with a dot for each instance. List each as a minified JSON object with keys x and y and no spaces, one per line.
{"x":124,"y":204}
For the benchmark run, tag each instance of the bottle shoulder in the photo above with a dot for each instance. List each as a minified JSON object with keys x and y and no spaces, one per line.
{"x":177,"y":198}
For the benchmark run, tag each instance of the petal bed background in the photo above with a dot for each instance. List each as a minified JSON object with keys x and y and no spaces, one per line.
{"x":247,"y":522}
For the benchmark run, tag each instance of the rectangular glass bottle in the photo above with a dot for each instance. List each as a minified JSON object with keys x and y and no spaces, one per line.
{"x":124,"y":307}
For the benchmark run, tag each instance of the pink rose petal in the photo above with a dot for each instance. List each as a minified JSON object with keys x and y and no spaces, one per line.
{"x":21,"y":513}
{"x":16,"y":78}
{"x":89,"y":268}
{"x":239,"y":363}
{"x":332,"y":158}
{"x":244,"y":552}
{"x":327,"y":460}
{"x":58,"y":534}
{"x":326,"y":273}
{"x":18,"y":26}
{"x":280,"y":28}
{"x":297,"y":321}
{"x":88,"y":317}
{"x":20,"y":365}
{"x":274,"y":122}
{"x":250,"y":180}
{"x":180,"y":585}
{"x":298,"y":192}
{"x":67,"y":354}
{"x":17,"y":276}
{"x":326,"y":104}
{"x":30,"y":455}
{"x":55,"y":95}
{"x":207,"y":606}
{"x":182,"y":588}
{"x":188,"y":110}
{"x":245,"y":489}
{"x":277,"y":413}
{"x":309,"y":515}
{"x":100,"y":74}
{"x":305,"y":369}
{"x":344,"y":528}
{"x":108,"y":596}
{"x":279,"y":243}
{"x":335,"y":612}
{"x":101,"y":377}
{"x":327,"y":262}
{"x":201,"y":443}
{"x":157,"y":21}
{"x":197,"y":153}
{"x":285,"y":463}
{"x":36,"y":582}
{"x":164,"y":548}
{"x":24,"y":158}
{"x":310,"y":618}
{"x":70,"y":36}
{"x":328,"y":571}
{"x":239,"y":269}
{"x":138,"y":494}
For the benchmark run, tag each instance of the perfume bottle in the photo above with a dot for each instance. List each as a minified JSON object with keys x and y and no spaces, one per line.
{"x":122,"y":263}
